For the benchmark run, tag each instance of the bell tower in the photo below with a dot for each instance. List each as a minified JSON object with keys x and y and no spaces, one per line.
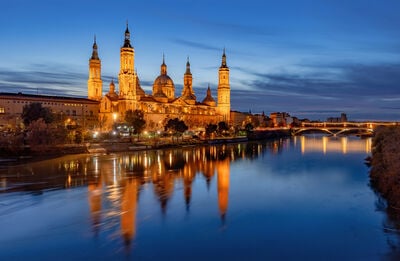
{"x":95,"y":84}
{"x":224,"y":90}
{"x":187,"y":78}
{"x":127,"y":75}
{"x":187,"y":92}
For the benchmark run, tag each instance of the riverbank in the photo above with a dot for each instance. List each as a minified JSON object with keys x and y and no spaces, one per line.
{"x":385,"y":166}
{"x":267,"y":134}
{"x":38,"y":153}
{"x":29,"y":154}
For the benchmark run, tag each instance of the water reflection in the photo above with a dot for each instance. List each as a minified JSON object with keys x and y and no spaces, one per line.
{"x":162,"y":168}
{"x":115,"y":182}
{"x":326,"y":144}
{"x":223,"y":186}
{"x":128,"y":210}
{"x":94,"y":196}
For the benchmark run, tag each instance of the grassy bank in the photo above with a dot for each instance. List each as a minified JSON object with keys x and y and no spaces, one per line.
{"x":385,"y":166}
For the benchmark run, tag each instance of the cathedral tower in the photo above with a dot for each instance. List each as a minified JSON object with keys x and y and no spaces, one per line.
{"x":127,"y":75}
{"x":187,"y":92}
{"x":95,"y":84}
{"x":224,"y":90}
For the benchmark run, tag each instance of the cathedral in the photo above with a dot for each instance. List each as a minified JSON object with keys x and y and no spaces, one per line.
{"x":162,"y":104}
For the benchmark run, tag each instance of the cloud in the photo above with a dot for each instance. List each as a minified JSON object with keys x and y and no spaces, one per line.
{"x":242,"y":29}
{"x":361,"y":89}
{"x":43,"y":79}
{"x":314,"y":90}
{"x":197,"y":45}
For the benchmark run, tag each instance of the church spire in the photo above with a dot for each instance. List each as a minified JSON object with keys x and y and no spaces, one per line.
{"x":95,"y":54}
{"x":223,"y":63}
{"x":187,"y":91}
{"x":188,"y":66}
{"x":127,"y":42}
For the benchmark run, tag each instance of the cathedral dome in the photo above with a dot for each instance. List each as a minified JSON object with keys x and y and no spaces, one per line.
{"x":163,"y":80}
{"x":209,"y":100}
{"x":164,"y":84}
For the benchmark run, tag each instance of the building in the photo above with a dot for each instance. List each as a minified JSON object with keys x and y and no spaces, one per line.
{"x":258,"y":120}
{"x":100,"y":111}
{"x":162,"y":104}
{"x":73,"y":111}
{"x":280,"y":119}
{"x":342,"y":118}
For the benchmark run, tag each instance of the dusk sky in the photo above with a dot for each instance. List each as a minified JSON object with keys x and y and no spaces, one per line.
{"x":313,"y":59}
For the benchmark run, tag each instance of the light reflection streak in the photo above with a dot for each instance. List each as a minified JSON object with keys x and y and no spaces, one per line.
{"x":342,"y":145}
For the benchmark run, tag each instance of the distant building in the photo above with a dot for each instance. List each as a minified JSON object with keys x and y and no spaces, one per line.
{"x":240,"y":119}
{"x":74,"y":111}
{"x":280,"y":119}
{"x":342,"y":118}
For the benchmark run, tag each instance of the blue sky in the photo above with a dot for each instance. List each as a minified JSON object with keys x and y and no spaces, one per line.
{"x":313,"y":59}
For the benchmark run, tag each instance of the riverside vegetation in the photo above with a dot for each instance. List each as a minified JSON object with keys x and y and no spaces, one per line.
{"x":385,"y":168}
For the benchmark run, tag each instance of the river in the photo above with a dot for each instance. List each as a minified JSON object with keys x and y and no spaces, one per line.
{"x":302,"y":198}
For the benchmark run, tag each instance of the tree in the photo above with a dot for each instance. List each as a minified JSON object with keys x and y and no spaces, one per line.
{"x":222,"y":127}
{"x":249,"y":127}
{"x":39,"y":133}
{"x":211,"y":128}
{"x":176,"y":126}
{"x":35,"y":111}
{"x":135,"y":119}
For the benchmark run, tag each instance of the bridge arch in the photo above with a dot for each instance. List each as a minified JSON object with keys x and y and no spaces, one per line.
{"x":346,"y":130}
{"x":302,"y":130}
{"x":333,"y":131}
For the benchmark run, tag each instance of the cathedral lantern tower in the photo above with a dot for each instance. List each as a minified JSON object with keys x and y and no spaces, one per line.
{"x":95,"y":84}
{"x":224,"y":90}
{"x":127,"y":76}
{"x":163,"y":86}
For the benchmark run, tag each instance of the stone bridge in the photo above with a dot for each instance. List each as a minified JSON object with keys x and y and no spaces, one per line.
{"x":341,"y":128}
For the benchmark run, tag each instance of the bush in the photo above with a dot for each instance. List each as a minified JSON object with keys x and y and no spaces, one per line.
{"x":385,"y":164}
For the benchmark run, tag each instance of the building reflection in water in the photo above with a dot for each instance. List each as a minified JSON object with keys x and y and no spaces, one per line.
{"x":223,"y":168}
{"x":128,"y":209}
{"x":114,"y":181}
{"x":94,"y":197}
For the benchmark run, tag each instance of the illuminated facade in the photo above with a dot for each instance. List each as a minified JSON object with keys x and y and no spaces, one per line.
{"x":162,"y":104}
{"x":74,"y":111}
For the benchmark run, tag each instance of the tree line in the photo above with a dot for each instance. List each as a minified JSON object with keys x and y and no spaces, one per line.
{"x":44,"y":128}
